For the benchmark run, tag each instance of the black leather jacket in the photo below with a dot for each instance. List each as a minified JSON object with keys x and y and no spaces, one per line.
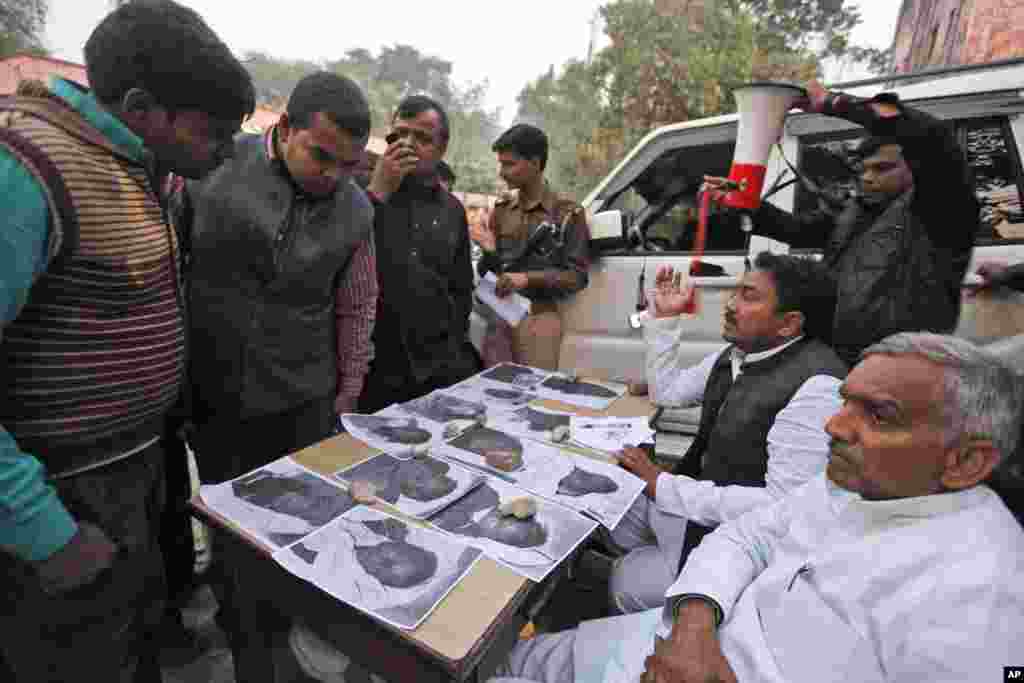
{"x":898,"y":267}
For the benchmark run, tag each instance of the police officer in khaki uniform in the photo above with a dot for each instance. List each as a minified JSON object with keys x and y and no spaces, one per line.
{"x":536,"y":243}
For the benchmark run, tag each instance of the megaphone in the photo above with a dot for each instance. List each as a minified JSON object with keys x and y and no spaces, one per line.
{"x":762,"y":108}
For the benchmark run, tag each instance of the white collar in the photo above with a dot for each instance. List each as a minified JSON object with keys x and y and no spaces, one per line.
{"x":740,"y":357}
{"x":881,"y":513}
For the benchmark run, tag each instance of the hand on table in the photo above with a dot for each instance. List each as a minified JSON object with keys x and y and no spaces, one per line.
{"x":636,"y":461}
{"x":510,"y":282}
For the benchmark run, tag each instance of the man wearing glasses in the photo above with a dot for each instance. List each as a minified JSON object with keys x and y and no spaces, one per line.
{"x":423,"y":264}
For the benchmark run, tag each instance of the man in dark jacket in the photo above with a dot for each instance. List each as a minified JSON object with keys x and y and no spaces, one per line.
{"x":899,"y":251}
{"x":765,"y":399}
{"x":282,"y":297}
{"x":424,"y":270}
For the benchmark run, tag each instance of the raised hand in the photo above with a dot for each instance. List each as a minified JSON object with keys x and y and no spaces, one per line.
{"x":670,"y":297}
{"x":480,"y":232}
{"x":398,"y":161}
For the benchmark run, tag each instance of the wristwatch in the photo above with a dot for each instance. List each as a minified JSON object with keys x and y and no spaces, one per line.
{"x":677,"y":604}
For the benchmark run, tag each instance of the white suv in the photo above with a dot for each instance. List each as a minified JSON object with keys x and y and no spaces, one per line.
{"x":650,"y":200}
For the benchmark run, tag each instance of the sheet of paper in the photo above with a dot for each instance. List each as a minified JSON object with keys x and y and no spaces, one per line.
{"x":522,"y":376}
{"x":530,"y":547}
{"x":381,"y":565}
{"x":599,"y":490}
{"x":610,"y":434}
{"x":280,"y":503}
{"x":531,"y":422}
{"x":511,"y":308}
{"x":419,"y":486}
{"x":497,"y":396}
{"x":584,"y":393}
{"x":394,"y":431}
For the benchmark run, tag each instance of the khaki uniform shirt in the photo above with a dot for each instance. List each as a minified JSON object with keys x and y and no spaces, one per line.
{"x":563,"y":261}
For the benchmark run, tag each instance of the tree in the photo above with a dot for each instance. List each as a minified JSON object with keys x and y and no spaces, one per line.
{"x":675,"y":60}
{"x":386,"y":78}
{"x":21,"y":26}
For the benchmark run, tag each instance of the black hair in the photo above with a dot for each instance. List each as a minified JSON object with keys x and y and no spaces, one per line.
{"x":802,"y":284}
{"x":167,"y":50}
{"x":529,"y":142}
{"x":414,"y":105}
{"x":446,"y":173}
{"x":337,"y":96}
{"x":870,"y":145}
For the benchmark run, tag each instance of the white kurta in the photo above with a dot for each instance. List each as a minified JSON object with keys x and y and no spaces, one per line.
{"x":797,"y":447}
{"x":825,"y":586}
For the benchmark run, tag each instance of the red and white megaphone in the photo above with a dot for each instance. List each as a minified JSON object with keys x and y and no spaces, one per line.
{"x":762,"y":108}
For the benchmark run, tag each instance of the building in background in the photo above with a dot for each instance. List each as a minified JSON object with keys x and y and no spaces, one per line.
{"x":937,"y":33}
{"x":21,"y":67}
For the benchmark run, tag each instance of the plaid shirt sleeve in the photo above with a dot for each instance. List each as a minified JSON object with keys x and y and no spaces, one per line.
{"x":355,"y":312}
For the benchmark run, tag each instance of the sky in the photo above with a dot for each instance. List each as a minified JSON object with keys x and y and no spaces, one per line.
{"x":507,"y":44}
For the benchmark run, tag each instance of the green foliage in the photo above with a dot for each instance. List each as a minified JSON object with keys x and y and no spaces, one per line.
{"x":21,"y":26}
{"x":668,"y":66}
{"x":388,"y":77}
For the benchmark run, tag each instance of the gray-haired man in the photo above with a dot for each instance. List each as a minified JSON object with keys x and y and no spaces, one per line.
{"x":899,"y":564}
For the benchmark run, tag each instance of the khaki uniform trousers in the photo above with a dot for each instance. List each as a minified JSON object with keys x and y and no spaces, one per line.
{"x":536,"y":341}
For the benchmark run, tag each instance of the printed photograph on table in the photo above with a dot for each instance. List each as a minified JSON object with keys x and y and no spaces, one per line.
{"x":381,"y":565}
{"x":532,"y":546}
{"x":441,"y":407}
{"x":498,"y":396}
{"x":534,"y":423}
{"x":583,"y":393}
{"x":279,"y":503}
{"x":599,"y":490}
{"x":418,"y":486}
{"x":516,"y":375}
{"x":610,"y":434}
{"x":395,"y":432}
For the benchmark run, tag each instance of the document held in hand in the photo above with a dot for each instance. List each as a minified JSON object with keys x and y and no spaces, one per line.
{"x":511,"y":308}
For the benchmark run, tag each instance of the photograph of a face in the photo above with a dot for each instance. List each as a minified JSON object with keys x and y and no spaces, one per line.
{"x":586,"y":394}
{"x":381,"y":565}
{"x":401,"y":435}
{"x":442,"y":407}
{"x":517,"y":375}
{"x":531,"y":547}
{"x":418,"y":486}
{"x":279,"y":503}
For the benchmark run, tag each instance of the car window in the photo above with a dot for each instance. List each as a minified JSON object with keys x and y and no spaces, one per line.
{"x":661,"y":202}
{"x":827,"y":161}
{"x":997,"y":176}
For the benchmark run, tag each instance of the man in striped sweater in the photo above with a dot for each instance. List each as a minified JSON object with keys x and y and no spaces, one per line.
{"x":93,"y":338}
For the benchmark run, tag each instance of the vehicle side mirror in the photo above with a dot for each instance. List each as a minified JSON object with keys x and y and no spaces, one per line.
{"x":608,"y":231}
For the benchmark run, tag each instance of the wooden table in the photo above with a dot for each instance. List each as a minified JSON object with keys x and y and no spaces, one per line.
{"x":480,"y":613}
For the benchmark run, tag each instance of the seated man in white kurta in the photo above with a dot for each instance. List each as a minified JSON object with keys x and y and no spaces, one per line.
{"x":765,"y":401}
{"x":899,"y":564}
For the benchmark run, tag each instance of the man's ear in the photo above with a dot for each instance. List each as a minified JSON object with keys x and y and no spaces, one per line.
{"x":969,"y":463}
{"x":284,"y":128}
{"x":792,"y":324}
{"x":142,"y":114}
